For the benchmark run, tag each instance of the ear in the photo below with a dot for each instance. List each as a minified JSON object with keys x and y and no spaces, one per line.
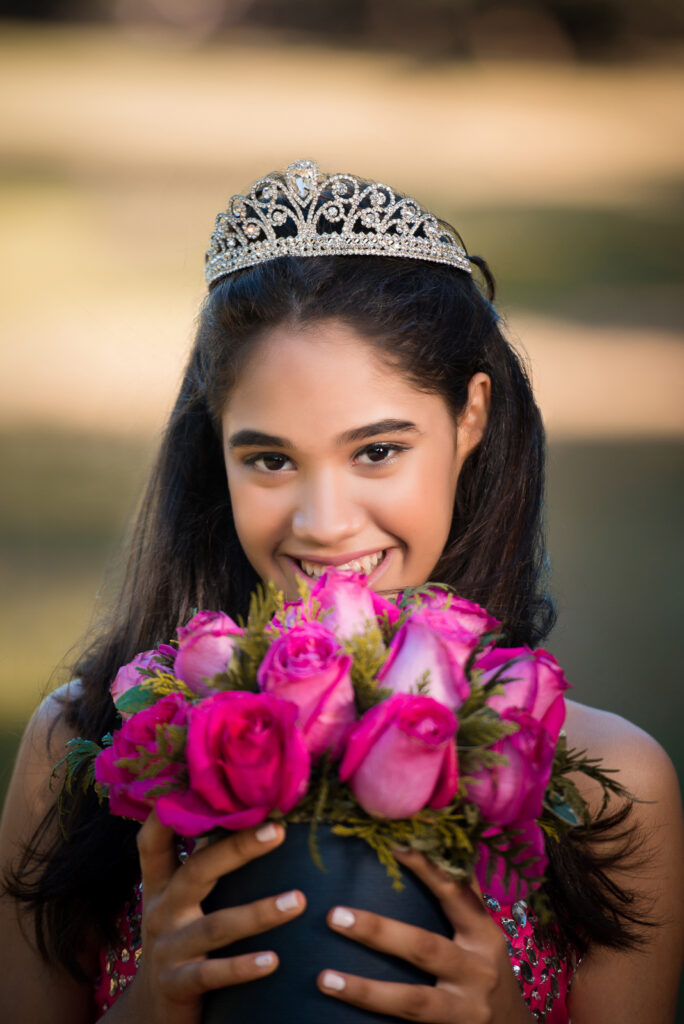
{"x":471,"y":424}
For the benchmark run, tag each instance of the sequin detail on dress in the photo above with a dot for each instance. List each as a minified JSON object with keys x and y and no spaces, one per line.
{"x":544,"y":975}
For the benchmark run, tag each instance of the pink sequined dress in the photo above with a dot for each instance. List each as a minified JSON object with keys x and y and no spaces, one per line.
{"x":543,"y":974}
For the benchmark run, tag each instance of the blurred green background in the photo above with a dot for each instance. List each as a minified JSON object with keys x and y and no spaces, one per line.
{"x":544,"y":131}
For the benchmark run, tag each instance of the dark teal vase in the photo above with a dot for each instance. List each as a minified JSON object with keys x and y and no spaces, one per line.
{"x":354,"y":878}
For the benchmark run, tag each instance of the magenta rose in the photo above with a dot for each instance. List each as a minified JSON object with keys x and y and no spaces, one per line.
{"x":205,"y":647}
{"x":434,"y":641}
{"x":513,"y":791}
{"x":534,"y":683}
{"x":308,"y":666}
{"x":401,"y":757}
{"x":531,"y":838}
{"x":350,"y":603}
{"x":138,"y":739}
{"x":246,"y":758}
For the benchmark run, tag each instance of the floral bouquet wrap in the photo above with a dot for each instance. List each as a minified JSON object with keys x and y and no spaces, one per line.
{"x":400,"y":722}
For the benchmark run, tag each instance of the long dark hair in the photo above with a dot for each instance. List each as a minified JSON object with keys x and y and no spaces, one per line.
{"x":436,"y":326}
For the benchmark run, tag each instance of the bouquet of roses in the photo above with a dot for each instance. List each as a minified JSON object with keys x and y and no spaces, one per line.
{"x":400,"y":722}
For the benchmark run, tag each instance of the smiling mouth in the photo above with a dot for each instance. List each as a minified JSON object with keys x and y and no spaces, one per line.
{"x":365,"y":565}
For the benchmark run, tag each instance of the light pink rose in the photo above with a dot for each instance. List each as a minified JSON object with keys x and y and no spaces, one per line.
{"x":246,"y":757}
{"x":472,"y":617}
{"x":205,"y":647}
{"x":128,"y":794}
{"x":308,"y":666}
{"x":130,"y":676}
{"x":351,"y":604}
{"x":431,"y":640}
{"x":401,"y":757}
{"x":531,"y":838}
{"x":534,"y":683}
{"x":513,"y":791}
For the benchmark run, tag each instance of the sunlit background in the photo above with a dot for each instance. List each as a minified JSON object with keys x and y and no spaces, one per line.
{"x":549,"y":133}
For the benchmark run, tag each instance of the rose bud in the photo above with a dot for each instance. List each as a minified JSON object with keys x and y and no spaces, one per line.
{"x":308,"y":666}
{"x":534,"y":683}
{"x":434,"y":641}
{"x":401,"y":757}
{"x":130,"y":675}
{"x":513,"y":791}
{"x":205,"y":647}
{"x":246,"y":758}
{"x":351,"y":604}
{"x":471,"y":617}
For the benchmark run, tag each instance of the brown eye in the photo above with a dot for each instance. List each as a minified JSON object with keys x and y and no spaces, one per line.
{"x":272,"y":462}
{"x":377,"y":453}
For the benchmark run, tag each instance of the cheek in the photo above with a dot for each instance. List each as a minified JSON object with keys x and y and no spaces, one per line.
{"x":256,"y":517}
{"x":417,"y":507}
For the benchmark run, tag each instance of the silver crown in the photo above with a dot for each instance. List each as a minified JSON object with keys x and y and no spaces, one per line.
{"x":304,"y":212}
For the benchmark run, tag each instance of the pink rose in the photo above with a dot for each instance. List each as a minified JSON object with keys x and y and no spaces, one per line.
{"x":401,"y":757}
{"x":513,"y":791}
{"x":246,"y":757}
{"x":308,"y":666}
{"x":139,"y":739}
{"x":205,"y":647}
{"x":531,"y":839}
{"x":535,"y":683}
{"x":434,"y":641}
{"x":351,"y":604}
{"x":130,"y":675}
{"x":472,"y":617}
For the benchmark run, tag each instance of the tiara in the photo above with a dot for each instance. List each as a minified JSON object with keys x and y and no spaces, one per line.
{"x":305,"y":212}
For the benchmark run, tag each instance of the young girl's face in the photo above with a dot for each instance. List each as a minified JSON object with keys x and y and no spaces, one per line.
{"x":335,"y":459}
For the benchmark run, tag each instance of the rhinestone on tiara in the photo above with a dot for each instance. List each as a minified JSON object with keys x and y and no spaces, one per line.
{"x":305,"y":212}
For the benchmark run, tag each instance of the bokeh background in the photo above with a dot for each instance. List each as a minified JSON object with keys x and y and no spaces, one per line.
{"x":548,"y":132}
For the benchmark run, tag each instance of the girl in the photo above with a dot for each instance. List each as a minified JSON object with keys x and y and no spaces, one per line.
{"x":350,"y":401}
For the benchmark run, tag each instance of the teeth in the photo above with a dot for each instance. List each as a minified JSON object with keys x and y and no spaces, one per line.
{"x":364,"y":565}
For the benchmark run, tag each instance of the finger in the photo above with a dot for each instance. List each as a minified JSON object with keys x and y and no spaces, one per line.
{"x":157,"y":853}
{"x":409,"y":1002}
{"x":203,"y":868}
{"x":232,"y":923}
{"x":191,"y":980}
{"x":435,"y":954}
{"x":462,"y":906}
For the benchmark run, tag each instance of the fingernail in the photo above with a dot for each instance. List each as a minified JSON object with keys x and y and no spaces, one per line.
{"x":333,"y":981}
{"x":288,"y":901}
{"x":342,"y":917}
{"x":264,"y":960}
{"x":266,"y":833}
{"x":398,"y":848}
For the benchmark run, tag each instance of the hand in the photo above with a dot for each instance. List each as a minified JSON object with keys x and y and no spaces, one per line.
{"x":475,"y":983}
{"x":177,"y":936}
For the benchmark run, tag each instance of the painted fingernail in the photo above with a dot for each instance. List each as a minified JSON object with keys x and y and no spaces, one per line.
{"x":333,"y":981}
{"x":264,"y":960}
{"x":288,"y":901}
{"x":266,"y":833}
{"x":342,"y":918}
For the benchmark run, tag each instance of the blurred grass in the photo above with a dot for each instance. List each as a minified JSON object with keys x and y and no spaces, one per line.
{"x":614,"y":515}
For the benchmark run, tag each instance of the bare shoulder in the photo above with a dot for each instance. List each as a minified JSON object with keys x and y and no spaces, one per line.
{"x":32,"y":789}
{"x":644,"y":767}
{"x":609,"y":986}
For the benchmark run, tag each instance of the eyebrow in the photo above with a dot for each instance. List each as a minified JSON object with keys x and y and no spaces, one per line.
{"x":256,"y":438}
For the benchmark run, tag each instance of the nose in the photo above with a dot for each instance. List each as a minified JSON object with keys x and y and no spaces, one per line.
{"x":326,"y":512}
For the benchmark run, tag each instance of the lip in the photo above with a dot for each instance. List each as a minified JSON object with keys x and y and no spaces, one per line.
{"x":343,"y":559}
{"x":333,"y":560}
